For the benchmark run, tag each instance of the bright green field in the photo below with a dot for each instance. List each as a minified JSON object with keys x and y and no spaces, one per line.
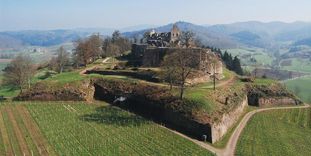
{"x":301,"y":87}
{"x":278,"y":132}
{"x":302,"y":65}
{"x":2,"y":66}
{"x":84,"y":129}
{"x":245,"y":55}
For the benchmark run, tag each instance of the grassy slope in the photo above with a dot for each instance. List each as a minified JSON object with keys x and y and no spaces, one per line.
{"x":278,"y":132}
{"x":301,"y":87}
{"x":106,"y":130}
{"x":201,"y":92}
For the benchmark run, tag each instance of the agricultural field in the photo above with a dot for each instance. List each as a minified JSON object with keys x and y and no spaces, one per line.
{"x":277,"y":132}
{"x":297,"y":64}
{"x":301,"y":87}
{"x":84,"y":129}
{"x":245,"y":54}
{"x":19,"y":133}
{"x":3,"y":64}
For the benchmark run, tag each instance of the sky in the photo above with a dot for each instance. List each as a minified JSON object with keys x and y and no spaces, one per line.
{"x":67,"y":14}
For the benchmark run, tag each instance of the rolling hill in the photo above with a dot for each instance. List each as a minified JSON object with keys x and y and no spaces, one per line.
{"x":252,"y":33}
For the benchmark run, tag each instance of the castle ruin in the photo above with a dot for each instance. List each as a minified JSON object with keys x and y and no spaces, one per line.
{"x":158,"y":45}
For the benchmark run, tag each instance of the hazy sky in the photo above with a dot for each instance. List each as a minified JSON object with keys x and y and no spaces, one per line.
{"x":51,"y":14}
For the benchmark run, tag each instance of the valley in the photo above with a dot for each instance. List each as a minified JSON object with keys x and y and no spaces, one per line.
{"x":150,"y":91}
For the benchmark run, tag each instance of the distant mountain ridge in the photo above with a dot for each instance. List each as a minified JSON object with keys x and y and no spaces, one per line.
{"x":207,"y":37}
{"x":252,"y":33}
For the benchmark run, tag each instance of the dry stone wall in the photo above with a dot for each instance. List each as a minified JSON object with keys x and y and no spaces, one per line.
{"x":220,"y":128}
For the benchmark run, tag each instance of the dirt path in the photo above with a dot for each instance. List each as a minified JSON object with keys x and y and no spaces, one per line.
{"x":93,"y":67}
{"x":230,"y":148}
{"x":35,"y":133}
{"x":226,"y":83}
{"x":20,"y":138}
{"x":5,"y":137}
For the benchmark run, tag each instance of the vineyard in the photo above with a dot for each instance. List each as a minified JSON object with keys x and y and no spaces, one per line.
{"x":278,"y":132}
{"x":81,"y":129}
{"x":19,"y":133}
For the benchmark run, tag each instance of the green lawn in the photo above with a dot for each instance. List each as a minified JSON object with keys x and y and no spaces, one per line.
{"x":277,"y":132}
{"x":301,"y":87}
{"x":84,"y":129}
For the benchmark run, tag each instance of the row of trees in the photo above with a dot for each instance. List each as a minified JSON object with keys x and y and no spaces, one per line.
{"x":20,"y":71}
{"x":94,"y":47}
{"x":89,"y":50}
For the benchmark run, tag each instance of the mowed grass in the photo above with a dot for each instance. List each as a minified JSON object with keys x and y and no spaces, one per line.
{"x":301,"y":87}
{"x":84,"y":129}
{"x":277,"y":132}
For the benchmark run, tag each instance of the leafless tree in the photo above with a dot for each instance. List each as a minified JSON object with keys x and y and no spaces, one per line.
{"x":168,"y":73}
{"x":88,"y":50}
{"x":61,"y":61}
{"x":116,"y":45}
{"x":180,"y":65}
{"x":186,"y":39}
{"x":19,"y":72}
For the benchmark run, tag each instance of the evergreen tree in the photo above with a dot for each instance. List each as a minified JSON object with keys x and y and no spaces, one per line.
{"x":236,"y":65}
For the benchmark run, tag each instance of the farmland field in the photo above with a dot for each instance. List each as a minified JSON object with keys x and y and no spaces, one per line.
{"x":245,"y":54}
{"x":301,"y":87}
{"x":81,"y":129}
{"x":2,"y":66}
{"x":298,"y":64}
{"x":19,"y":133}
{"x":277,"y":132}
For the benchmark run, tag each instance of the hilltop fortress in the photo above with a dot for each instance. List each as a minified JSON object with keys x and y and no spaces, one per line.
{"x":157,"y":45}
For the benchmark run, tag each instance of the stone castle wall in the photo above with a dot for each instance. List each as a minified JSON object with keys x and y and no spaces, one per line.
{"x":207,"y":61}
{"x":220,"y":128}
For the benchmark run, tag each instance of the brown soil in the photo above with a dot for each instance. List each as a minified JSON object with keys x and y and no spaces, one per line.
{"x":21,"y":141}
{"x":5,"y":137}
{"x":35,"y":133}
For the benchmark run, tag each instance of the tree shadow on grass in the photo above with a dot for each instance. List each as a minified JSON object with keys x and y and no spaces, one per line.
{"x":110,"y":115}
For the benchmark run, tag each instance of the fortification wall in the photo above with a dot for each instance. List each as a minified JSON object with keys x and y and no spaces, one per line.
{"x":276,"y":101}
{"x":220,"y":128}
{"x":67,"y":92}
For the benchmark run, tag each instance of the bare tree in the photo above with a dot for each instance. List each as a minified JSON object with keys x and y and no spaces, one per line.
{"x":88,"y":50}
{"x":19,"y":72}
{"x":182,"y":64}
{"x":61,"y":61}
{"x":186,"y":39}
{"x":116,"y":45}
{"x":168,"y":73}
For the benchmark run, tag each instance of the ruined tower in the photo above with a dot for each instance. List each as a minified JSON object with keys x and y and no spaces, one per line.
{"x":175,"y":33}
